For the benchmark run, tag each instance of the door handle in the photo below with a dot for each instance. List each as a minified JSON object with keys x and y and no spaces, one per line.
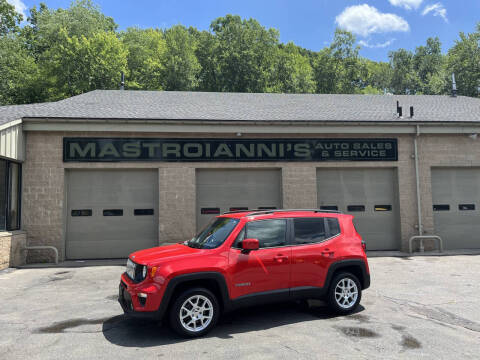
{"x":280,"y":258}
{"x":328,"y":252}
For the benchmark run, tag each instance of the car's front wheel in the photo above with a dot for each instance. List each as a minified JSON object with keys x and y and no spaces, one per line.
{"x":195,"y":312}
{"x":345,"y":293}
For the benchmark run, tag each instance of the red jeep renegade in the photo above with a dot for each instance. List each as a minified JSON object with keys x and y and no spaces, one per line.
{"x":246,"y":258}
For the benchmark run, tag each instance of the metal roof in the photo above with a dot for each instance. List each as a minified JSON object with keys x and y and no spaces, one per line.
{"x":185,"y":105}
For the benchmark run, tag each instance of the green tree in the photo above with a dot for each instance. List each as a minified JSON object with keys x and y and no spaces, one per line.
{"x":146,"y":55}
{"x":181,"y":67}
{"x":80,"y":64}
{"x":46,"y":26}
{"x":244,"y":54}
{"x":19,"y":73}
{"x":292,"y":71}
{"x":378,"y":76}
{"x":207,"y":44}
{"x":324,"y":72}
{"x":338,"y":68}
{"x":428,"y":62}
{"x":464,"y":61}
{"x":404,"y":77}
{"x":9,"y":18}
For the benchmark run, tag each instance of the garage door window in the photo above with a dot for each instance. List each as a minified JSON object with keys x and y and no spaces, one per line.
{"x":83,"y":212}
{"x":466,"y":207}
{"x":308,"y":231}
{"x":383,"y":207}
{"x":10,"y":184}
{"x":355,"y":208}
{"x":329,"y":207}
{"x":441,"y":207}
{"x":113,"y":212}
{"x":270,"y":233}
{"x":142,"y":212}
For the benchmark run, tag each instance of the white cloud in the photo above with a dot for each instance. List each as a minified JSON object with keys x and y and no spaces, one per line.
{"x":437,"y":9}
{"x":377,"y":45}
{"x":365,"y":20}
{"x":407,"y":4}
{"x":20,"y":7}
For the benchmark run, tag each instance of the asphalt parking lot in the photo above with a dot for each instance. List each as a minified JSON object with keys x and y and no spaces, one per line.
{"x":419,"y":307}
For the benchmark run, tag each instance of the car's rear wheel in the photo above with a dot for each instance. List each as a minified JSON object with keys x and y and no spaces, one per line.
{"x":194,"y":313}
{"x":345,"y":293}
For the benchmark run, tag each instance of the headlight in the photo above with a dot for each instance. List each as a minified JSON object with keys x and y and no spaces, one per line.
{"x":130,"y":269}
{"x":136,"y":272}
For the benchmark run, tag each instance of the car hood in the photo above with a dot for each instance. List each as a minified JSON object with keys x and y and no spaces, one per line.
{"x":160,"y":254}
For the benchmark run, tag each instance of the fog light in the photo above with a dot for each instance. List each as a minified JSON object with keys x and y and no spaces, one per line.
{"x":142,"y":298}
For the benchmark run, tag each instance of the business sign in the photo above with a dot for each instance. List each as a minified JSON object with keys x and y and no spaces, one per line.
{"x":188,"y":150}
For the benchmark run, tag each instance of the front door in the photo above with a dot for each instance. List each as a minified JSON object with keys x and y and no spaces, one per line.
{"x":266,"y":269}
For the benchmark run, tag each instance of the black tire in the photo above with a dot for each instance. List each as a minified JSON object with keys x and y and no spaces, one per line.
{"x":176,"y":322}
{"x":334,"y":304}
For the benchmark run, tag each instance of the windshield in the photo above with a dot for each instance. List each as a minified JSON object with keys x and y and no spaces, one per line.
{"x":214,"y":234}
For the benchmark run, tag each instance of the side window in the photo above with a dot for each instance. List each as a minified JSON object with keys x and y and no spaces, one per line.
{"x":270,"y":233}
{"x":310,"y":230}
{"x":333,"y":226}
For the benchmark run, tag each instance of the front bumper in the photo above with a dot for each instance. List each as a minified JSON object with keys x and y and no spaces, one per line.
{"x":139,"y":299}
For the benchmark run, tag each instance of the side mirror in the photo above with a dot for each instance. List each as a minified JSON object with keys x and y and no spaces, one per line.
{"x":250,"y":244}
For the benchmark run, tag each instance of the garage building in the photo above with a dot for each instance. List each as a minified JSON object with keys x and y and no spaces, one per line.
{"x":105,"y":173}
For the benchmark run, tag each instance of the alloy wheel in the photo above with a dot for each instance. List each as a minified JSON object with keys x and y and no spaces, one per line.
{"x":196,"y":313}
{"x":346,"y":293}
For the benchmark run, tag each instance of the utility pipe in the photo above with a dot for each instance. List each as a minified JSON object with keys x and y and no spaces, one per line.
{"x":417,"y":178}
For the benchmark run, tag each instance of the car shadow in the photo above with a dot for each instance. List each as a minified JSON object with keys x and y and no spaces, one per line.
{"x":130,"y":332}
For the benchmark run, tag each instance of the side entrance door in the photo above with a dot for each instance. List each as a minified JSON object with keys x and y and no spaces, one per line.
{"x":266,"y":269}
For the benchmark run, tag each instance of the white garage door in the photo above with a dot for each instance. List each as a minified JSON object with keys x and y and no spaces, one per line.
{"x":368,"y":194}
{"x":456,"y":201}
{"x":224,"y":190}
{"x":111,"y":213}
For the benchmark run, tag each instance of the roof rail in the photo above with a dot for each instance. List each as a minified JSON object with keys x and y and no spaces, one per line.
{"x":263,"y":212}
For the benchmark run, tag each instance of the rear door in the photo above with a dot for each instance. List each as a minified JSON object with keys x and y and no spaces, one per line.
{"x":313,"y":250}
{"x":264,"y":270}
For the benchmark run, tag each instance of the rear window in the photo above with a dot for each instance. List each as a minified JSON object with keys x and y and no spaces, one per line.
{"x":333,"y":227}
{"x":309,"y":230}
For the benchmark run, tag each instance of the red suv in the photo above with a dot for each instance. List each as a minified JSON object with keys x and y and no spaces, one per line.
{"x":246,"y":258}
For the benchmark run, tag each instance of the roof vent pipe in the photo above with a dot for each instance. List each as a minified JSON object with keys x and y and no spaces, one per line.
{"x":411,"y":111}
{"x":122,"y":82}
{"x":399,"y":109}
{"x":454,"y":86}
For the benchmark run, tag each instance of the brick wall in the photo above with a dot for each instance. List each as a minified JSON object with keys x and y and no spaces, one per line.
{"x":11,"y":245}
{"x":44,"y":183}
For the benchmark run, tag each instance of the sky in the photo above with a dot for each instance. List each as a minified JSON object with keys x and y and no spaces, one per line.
{"x":379,"y":25}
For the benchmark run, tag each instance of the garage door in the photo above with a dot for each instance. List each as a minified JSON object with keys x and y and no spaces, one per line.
{"x":111,"y":213}
{"x":368,"y":194}
{"x":456,"y":201}
{"x":223,"y":190}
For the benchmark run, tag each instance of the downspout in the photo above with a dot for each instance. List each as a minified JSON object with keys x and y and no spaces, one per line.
{"x":420,"y":235}
{"x":417,"y":178}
